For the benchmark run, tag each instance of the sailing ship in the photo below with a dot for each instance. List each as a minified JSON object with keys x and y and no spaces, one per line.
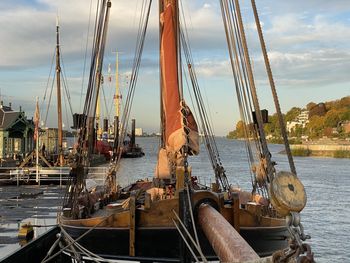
{"x":165,"y":219}
{"x":57,"y":158}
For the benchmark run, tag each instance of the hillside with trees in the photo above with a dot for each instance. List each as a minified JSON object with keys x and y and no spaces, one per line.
{"x":329,"y":119}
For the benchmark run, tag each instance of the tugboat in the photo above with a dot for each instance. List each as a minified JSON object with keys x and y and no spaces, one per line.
{"x":130,"y":149}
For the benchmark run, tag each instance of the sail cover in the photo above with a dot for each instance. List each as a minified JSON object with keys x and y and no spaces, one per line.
{"x":179,"y":123}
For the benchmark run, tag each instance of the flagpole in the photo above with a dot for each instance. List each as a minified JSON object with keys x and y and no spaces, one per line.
{"x":37,"y":179}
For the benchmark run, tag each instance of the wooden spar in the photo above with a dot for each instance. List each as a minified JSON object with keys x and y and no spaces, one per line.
{"x":227,"y":243}
{"x":59,"y":103}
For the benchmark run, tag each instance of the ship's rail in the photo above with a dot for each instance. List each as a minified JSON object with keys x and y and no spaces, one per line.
{"x":56,"y":175}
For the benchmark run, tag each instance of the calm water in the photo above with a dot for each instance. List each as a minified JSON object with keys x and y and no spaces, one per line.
{"x":326,"y":216}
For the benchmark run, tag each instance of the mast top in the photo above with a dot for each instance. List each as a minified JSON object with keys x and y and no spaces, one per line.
{"x":57,"y":20}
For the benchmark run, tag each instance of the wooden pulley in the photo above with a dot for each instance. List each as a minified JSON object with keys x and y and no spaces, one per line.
{"x":287,"y":193}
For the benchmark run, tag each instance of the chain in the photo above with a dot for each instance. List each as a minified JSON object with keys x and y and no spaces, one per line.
{"x":185,"y":149}
{"x":300,"y":250}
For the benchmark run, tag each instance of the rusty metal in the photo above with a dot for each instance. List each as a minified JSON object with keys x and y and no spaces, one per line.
{"x":309,"y":257}
{"x":228,"y":245}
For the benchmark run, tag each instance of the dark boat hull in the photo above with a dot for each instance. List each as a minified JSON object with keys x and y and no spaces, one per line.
{"x":36,"y":250}
{"x":162,"y":244}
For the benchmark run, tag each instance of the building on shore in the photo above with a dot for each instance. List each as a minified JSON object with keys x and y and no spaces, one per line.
{"x":345,"y":125}
{"x":16,"y":133}
{"x":49,"y":138}
{"x":301,"y":120}
{"x":138,"y":131}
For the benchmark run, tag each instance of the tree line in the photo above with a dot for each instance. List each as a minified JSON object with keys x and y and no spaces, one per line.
{"x":324,"y":119}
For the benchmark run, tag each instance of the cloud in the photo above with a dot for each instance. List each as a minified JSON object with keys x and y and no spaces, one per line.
{"x":307,"y":41}
{"x":213,"y":68}
{"x":292,"y":31}
{"x":311,"y":69}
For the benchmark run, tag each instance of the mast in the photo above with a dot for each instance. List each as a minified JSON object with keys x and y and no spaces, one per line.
{"x":161,"y":110}
{"x":169,"y":68}
{"x":176,"y":138}
{"x":163,"y":4}
{"x":36,"y":137}
{"x":98,"y":117}
{"x":117,"y":98}
{"x":179,"y":129}
{"x":117,"y":105}
{"x":59,"y":103}
{"x":96,"y":70}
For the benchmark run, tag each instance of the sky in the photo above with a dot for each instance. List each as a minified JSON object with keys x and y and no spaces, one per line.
{"x":307,"y":43}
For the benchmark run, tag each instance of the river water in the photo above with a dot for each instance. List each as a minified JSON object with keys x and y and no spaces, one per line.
{"x":326,"y":216}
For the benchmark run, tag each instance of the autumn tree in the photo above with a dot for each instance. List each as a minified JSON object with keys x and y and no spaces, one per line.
{"x":332,"y":118}
{"x":292,"y":114}
{"x":238,"y":132}
{"x":315,"y":127}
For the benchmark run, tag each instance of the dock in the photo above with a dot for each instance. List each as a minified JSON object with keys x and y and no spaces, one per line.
{"x":35,"y":204}
{"x":46,"y":175}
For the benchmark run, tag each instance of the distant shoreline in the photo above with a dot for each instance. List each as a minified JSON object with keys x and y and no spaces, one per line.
{"x":321,"y":150}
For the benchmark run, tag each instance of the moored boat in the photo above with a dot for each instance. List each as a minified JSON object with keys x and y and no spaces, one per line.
{"x":161,"y":220}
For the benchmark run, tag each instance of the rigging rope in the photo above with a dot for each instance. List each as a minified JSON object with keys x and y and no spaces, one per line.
{"x":65,"y":86}
{"x":85,"y":139}
{"x":238,"y":80}
{"x":262,"y":167}
{"x":49,"y":102}
{"x":143,"y":24}
{"x":48,"y":79}
{"x":273,"y":90}
{"x":211,"y":145}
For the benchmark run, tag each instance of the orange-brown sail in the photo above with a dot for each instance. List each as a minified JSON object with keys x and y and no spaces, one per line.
{"x":170,"y":91}
{"x":179,"y":124}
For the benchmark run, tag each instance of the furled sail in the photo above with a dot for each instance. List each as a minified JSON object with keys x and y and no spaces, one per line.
{"x":179,"y":124}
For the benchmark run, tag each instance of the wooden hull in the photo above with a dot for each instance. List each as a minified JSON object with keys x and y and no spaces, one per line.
{"x":155,"y":236}
{"x":162,"y":244}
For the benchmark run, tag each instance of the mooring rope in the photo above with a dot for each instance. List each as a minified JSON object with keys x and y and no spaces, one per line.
{"x":186,"y":242}
{"x":76,"y":240}
{"x":199,"y":250}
